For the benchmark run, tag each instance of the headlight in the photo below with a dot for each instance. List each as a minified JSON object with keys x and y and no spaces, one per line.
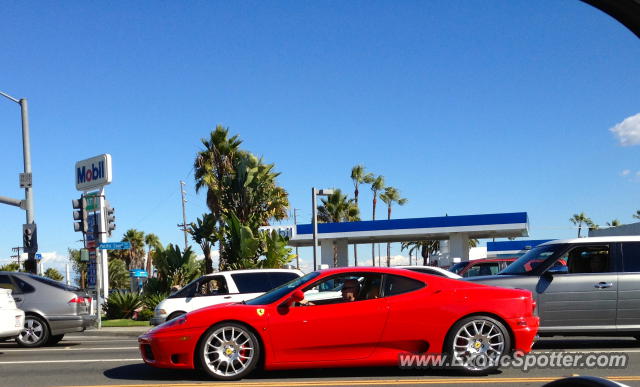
{"x":176,"y":321}
{"x":160,"y":312}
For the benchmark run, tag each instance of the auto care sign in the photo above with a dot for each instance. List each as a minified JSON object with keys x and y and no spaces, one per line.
{"x":93,"y":173}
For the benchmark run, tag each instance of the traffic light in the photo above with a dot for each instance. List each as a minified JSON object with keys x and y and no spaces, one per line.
{"x":109,"y":217}
{"x":29,"y":238}
{"x":80,"y":214}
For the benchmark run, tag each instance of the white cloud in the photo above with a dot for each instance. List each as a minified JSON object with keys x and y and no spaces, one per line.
{"x":625,"y":172}
{"x":628,"y":131}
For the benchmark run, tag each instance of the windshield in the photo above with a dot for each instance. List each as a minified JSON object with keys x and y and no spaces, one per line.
{"x":281,"y":290}
{"x":531,"y":259}
{"x":457,"y":267}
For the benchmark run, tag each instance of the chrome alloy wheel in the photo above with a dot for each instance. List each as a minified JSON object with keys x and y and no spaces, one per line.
{"x":478,"y":343}
{"x":229,"y":351}
{"x":32,"y":333}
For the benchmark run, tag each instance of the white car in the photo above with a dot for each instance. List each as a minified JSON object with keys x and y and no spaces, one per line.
{"x":219,"y":288}
{"x":434,"y":270}
{"x":11,"y":318}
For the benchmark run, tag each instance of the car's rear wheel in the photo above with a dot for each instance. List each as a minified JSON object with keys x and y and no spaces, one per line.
{"x":55,"y":339}
{"x":35,"y":332}
{"x":229,"y":351}
{"x":475,"y":344}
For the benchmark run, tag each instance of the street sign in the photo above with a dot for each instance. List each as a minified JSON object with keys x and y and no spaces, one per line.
{"x":114,"y":246}
{"x":26,"y":180}
{"x":84,"y":255}
{"x":38,"y":256}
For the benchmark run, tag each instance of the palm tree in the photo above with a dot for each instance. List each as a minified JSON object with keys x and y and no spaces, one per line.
{"x":153,"y":243}
{"x":136,"y":252}
{"x":377,"y":185}
{"x":212,"y":166}
{"x":389,"y":196}
{"x":614,"y":223}
{"x":358,"y":176}
{"x":337,"y":208}
{"x":426,"y":247}
{"x":637,"y":214}
{"x":204,"y":233}
{"x":579,"y":220}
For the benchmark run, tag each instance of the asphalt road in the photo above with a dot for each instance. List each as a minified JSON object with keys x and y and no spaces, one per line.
{"x":89,"y":360}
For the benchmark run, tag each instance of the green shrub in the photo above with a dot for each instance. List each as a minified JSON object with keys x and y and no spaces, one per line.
{"x":145,"y":315}
{"x":150,"y":301}
{"x":122,"y":305}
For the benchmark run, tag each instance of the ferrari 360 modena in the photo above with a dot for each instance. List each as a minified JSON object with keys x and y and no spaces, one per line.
{"x":348,"y":317}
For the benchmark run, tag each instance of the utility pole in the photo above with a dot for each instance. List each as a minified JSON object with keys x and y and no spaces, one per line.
{"x":295,"y":224}
{"x":17,"y":256}
{"x":184,"y":214}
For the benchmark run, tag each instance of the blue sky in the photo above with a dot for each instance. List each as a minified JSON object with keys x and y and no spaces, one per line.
{"x":466,"y":106}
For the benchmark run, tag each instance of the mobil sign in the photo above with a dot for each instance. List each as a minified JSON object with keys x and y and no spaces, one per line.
{"x":93,"y":173}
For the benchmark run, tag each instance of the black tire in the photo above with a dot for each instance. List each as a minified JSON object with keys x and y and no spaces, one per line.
{"x":174,"y":315}
{"x":53,"y":340}
{"x":35,"y":333}
{"x":233,"y":343}
{"x":493,"y":341}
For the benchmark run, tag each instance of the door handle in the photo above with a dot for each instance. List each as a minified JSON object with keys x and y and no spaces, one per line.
{"x":227,"y":297}
{"x":603,"y":285}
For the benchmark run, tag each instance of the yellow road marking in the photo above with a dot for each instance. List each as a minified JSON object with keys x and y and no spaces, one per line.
{"x":368,"y":382}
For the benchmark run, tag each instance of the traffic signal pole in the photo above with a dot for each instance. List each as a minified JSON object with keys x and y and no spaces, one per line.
{"x":27,"y":203}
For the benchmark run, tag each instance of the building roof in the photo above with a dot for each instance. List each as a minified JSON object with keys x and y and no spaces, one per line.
{"x":503,"y":225}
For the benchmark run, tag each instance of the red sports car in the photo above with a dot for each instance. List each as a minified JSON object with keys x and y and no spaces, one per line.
{"x":348,"y":317}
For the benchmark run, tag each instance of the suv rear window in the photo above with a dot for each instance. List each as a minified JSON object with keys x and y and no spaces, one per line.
{"x":261,"y":282}
{"x":631,"y":257}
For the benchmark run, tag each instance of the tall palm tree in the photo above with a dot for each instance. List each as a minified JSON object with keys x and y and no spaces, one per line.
{"x":153,"y":244}
{"x":337,"y":208}
{"x":614,"y":223}
{"x":389,"y":196}
{"x":580,"y":220}
{"x":136,"y":252}
{"x":637,"y":214}
{"x":204,"y":233}
{"x":358,"y":176}
{"x":377,"y":185}
{"x":212,"y":165}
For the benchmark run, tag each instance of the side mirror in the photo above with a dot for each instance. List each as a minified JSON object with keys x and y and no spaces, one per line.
{"x":296,"y":296}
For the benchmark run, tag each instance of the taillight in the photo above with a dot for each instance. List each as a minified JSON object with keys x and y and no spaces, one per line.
{"x":78,"y":300}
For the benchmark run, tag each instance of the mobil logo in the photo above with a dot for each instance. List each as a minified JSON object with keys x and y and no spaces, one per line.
{"x":93,"y":173}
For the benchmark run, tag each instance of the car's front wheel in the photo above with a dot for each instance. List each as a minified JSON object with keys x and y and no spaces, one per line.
{"x":475,"y":344}
{"x":229,"y":351}
{"x":35,"y":332}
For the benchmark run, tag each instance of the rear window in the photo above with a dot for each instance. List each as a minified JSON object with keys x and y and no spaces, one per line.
{"x":23,"y":285}
{"x":395,"y":284}
{"x":631,"y":257}
{"x":252,"y":282}
{"x":55,"y":284}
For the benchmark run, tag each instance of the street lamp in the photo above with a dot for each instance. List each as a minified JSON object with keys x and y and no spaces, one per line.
{"x":25,"y":178}
{"x":314,"y":210}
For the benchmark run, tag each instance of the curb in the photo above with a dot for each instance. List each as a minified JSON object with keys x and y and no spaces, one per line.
{"x":114,"y":331}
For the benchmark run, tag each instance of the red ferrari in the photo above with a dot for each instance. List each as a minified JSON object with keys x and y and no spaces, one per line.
{"x":348,"y":317}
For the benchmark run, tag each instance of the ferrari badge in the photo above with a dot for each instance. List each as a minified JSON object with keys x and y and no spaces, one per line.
{"x":260,"y":312}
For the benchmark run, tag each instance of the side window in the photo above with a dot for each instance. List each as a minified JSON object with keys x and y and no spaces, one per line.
{"x":212,"y":286}
{"x":22,"y":285}
{"x":483,"y":269}
{"x":5,"y":283}
{"x":252,"y":282}
{"x":630,"y":257}
{"x":395,"y":284}
{"x":344,"y":288}
{"x":186,"y":292}
{"x":585,"y":259}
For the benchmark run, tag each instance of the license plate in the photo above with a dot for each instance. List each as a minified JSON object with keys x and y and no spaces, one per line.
{"x":18,"y":321}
